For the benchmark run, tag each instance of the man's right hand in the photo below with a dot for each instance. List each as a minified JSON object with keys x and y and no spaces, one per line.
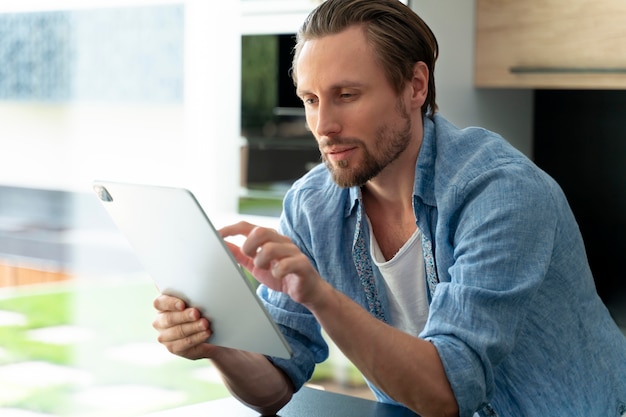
{"x":182,"y":330}
{"x":250,"y":377}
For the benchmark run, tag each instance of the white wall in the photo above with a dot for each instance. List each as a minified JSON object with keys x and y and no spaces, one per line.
{"x":508,"y":112}
{"x":212,"y":102}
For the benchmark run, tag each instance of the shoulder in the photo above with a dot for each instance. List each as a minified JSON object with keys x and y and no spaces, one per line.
{"x":476,"y":172}
{"x":468,"y":157}
{"x":315,"y":195}
{"x":314,"y":185}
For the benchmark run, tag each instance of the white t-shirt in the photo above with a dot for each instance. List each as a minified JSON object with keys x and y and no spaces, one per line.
{"x":405,"y":282}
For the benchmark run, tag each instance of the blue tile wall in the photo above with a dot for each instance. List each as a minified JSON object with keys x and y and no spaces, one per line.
{"x":35,"y":56}
{"x":130,"y":54}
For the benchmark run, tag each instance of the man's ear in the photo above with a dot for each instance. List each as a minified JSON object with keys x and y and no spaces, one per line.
{"x":419,"y":84}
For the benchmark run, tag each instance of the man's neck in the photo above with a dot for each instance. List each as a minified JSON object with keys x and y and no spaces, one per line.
{"x":392,"y":219}
{"x":388,"y":202}
{"x":392,"y":189}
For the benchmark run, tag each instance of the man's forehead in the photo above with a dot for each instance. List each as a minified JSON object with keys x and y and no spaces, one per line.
{"x":338,"y":56}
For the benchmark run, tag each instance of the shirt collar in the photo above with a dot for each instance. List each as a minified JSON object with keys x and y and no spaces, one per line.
{"x":354,"y":201}
{"x":424,"y":185}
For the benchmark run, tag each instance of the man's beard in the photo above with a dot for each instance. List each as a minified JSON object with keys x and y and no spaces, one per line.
{"x":389,"y":146}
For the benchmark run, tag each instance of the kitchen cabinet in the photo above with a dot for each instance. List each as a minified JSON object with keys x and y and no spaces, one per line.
{"x":558,"y":44}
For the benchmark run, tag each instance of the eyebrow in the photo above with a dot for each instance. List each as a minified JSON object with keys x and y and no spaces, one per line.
{"x":334,"y":87}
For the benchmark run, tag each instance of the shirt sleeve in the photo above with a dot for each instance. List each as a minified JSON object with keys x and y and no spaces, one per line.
{"x":500,"y":235}
{"x":297,"y":324}
{"x":302,"y":332}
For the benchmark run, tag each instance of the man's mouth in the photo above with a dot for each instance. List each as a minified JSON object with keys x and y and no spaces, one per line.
{"x":340,"y":153}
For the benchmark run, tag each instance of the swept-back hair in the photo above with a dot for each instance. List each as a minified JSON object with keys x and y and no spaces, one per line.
{"x":399,"y":37}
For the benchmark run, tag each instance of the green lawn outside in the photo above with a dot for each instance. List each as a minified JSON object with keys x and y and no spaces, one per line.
{"x":115,"y":314}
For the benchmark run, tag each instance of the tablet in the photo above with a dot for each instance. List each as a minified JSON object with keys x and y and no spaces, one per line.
{"x":186,"y":257}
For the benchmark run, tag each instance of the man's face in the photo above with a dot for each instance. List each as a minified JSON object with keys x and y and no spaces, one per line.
{"x":360,"y":123}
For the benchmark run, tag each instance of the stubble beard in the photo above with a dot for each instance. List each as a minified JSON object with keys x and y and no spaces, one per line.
{"x":390,"y":144}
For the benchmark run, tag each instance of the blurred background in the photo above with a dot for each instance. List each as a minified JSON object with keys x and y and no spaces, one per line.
{"x":195,"y":94}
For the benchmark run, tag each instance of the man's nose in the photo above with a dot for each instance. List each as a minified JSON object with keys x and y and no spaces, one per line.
{"x":327,"y":123}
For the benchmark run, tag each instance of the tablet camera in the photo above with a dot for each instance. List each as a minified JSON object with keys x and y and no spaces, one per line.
{"x":102,"y":193}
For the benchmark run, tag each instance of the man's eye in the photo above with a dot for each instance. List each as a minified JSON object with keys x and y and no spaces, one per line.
{"x":348,"y":96}
{"x":309,"y":100}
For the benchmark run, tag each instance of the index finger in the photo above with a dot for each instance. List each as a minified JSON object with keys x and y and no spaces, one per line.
{"x":242,"y":228}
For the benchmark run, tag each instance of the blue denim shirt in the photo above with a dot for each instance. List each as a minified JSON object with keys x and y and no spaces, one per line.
{"x":515,"y":315}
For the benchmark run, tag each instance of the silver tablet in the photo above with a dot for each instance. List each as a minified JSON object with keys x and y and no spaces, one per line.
{"x":186,"y":257}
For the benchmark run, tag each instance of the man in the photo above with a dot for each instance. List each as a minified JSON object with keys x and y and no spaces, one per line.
{"x":445,"y":265}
